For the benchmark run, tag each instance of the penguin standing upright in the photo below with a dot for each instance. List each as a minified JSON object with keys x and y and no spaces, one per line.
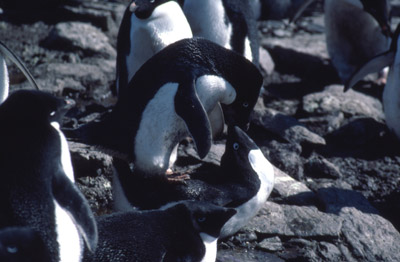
{"x":356,"y":31}
{"x":229,"y":23}
{"x":391,"y":92}
{"x":4,"y":80}
{"x":167,"y":100}
{"x":37,"y":189}
{"x":243,"y":182}
{"x":186,"y":232}
{"x":147,"y":27}
{"x":22,"y":244}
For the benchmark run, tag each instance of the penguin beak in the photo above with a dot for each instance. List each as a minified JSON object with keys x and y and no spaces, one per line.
{"x":133,"y":7}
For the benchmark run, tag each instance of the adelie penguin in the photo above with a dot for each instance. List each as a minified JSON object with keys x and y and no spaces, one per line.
{"x":243,"y":182}
{"x":168,"y":99}
{"x":229,"y":23}
{"x":391,"y":92}
{"x":147,"y":27}
{"x":37,"y":188}
{"x":185,"y":232}
{"x":22,"y":244}
{"x":4,"y":80}
{"x":356,"y":31}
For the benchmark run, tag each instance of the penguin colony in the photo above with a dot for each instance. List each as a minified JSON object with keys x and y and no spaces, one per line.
{"x":179,"y":74}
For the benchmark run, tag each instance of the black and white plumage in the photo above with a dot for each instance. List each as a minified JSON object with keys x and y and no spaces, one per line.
{"x":167,"y":100}
{"x":391,"y":92}
{"x":244,"y":182}
{"x":22,"y":244}
{"x":229,"y":23}
{"x":146,"y":28}
{"x":356,"y":31}
{"x":185,"y":232}
{"x":37,"y":189}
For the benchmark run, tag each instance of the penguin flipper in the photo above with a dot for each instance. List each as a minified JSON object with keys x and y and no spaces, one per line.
{"x":376,"y":64}
{"x":75,"y":204}
{"x":15,"y":59}
{"x":189,"y":107}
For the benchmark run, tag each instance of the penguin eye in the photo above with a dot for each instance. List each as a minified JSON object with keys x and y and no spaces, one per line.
{"x":152,"y":1}
{"x":235,"y":146}
{"x":12,"y":249}
{"x":201,"y":219}
{"x":245,"y":104}
{"x":53,"y":113}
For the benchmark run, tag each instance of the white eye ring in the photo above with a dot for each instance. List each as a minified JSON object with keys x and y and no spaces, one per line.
{"x":152,"y":1}
{"x":245,"y":104}
{"x":52,"y":113}
{"x":12,"y":249}
{"x":235,"y":146}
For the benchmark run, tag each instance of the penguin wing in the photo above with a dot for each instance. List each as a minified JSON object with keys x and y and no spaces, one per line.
{"x":376,"y":64}
{"x":8,"y":53}
{"x":189,"y":107}
{"x":75,"y":204}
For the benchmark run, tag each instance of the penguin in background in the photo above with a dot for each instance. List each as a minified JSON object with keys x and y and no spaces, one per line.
{"x":37,"y":189}
{"x":168,"y":99}
{"x":4,"y":80}
{"x":356,"y":31}
{"x":229,"y":23}
{"x":188,"y":231}
{"x":243,"y":181}
{"x":22,"y":244}
{"x":391,"y":91}
{"x":147,"y":27}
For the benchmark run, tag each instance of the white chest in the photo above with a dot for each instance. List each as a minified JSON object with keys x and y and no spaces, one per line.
{"x":207,"y":19}
{"x":210,"y":244}
{"x":4,"y":81}
{"x":391,"y":97}
{"x":166,"y":25}
{"x":249,"y":209}
{"x":65,"y":154}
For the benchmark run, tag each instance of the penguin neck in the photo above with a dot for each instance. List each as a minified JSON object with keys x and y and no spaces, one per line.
{"x":4,"y":80}
{"x":214,"y":26}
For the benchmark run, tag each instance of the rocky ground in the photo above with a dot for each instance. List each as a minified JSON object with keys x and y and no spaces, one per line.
{"x":337,"y":166}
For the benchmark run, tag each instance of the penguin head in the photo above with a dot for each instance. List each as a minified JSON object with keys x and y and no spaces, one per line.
{"x":379,"y":9}
{"x":144,"y":8}
{"x":27,"y":107}
{"x":237,"y":150}
{"x":206,"y":217}
{"x":20,"y":244}
{"x":247,"y":92}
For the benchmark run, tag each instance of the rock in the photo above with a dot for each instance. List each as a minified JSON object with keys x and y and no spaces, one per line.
{"x":291,"y":191}
{"x":80,"y":37}
{"x":286,"y":157}
{"x":246,"y":255}
{"x":266,"y":62}
{"x":369,"y":236}
{"x":319,"y":167}
{"x":332,"y":200}
{"x":295,"y":221}
{"x":352,"y":103}
{"x":271,"y":244}
{"x":286,"y":127}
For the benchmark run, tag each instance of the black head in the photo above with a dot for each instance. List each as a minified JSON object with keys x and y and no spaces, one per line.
{"x":144,"y":8}
{"x":247,"y":84}
{"x":27,"y":107}
{"x":238,"y":147}
{"x":379,"y":10}
{"x":22,"y":244}
{"x":206,"y":217}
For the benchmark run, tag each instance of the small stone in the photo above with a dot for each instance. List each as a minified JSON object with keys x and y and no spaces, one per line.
{"x":272,"y":244}
{"x":319,"y":167}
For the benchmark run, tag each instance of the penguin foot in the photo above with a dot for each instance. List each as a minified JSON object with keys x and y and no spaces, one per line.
{"x":177,"y":178}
